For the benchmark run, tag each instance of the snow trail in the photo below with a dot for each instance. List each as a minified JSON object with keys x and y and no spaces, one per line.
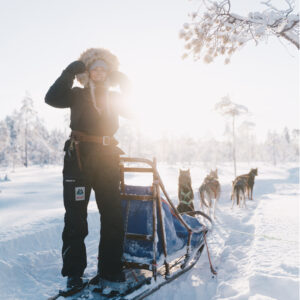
{"x":250,"y":264}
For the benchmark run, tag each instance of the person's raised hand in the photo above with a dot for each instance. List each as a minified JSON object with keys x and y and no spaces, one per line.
{"x":76,"y":67}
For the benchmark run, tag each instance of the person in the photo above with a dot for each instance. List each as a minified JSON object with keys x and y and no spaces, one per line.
{"x":91,"y":161}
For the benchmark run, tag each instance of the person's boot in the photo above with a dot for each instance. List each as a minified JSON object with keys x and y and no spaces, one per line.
{"x":113,"y":283}
{"x":74,"y":282}
{"x":117,"y":277}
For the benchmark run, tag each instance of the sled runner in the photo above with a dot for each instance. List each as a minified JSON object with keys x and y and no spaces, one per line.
{"x":160,"y":243}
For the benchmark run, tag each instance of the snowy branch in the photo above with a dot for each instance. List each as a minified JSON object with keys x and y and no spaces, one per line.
{"x":218,"y":31}
{"x":227,"y":107}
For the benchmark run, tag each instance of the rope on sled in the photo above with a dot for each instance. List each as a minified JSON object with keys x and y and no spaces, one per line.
{"x":134,"y":275}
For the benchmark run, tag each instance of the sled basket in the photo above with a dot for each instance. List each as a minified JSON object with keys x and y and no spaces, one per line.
{"x":156,"y":234}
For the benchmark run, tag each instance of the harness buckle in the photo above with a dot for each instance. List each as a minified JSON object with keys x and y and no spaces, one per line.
{"x":106,"y":140}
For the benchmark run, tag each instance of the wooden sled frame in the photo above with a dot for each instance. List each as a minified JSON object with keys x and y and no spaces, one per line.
{"x":157,"y":187}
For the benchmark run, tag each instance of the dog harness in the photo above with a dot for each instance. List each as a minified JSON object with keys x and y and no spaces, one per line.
{"x":185,"y":196}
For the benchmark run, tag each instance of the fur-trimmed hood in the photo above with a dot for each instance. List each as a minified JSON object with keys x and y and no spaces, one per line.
{"x":89,"y":56}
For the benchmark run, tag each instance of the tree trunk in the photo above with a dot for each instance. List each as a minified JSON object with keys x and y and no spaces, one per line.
{"x":233,"y":148}
{"x":274,"y":153}
{"x":26,"y":155}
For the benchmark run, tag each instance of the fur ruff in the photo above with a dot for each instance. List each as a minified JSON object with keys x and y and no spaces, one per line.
{"x":89,"y":56}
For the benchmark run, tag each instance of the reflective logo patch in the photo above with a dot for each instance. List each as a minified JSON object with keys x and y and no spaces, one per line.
{"x":79,"y":193}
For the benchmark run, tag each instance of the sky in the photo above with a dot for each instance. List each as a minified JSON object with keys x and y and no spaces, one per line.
{"x":170,"y":95}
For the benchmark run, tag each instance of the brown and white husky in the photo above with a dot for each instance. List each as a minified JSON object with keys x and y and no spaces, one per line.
{"x":249,"y":180}
{"x":210,"y":190}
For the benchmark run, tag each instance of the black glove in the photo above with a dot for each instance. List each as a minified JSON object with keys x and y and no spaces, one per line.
{"x":76,"y":67}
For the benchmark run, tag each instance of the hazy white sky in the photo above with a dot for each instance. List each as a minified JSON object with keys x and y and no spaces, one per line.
{"x":40,"y":38}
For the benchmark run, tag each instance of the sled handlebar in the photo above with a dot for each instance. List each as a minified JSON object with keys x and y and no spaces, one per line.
{"x":138,"y":160}
{"x":197,"y":212}
{"x":157,"y":177}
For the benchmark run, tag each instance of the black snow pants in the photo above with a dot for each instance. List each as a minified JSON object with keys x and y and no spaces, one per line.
{"x":100,"y":172}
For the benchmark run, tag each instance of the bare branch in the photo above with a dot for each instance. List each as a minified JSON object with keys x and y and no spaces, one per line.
{"x":284,"y":35}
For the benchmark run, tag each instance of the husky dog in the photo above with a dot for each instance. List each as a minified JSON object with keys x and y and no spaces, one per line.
{"x":239,"y":187}
{"x":185,"y":192}
{"x":209,"y":190}
{"x":249,"y":179}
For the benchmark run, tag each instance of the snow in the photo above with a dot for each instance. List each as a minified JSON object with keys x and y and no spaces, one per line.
{"x":255,"y":250}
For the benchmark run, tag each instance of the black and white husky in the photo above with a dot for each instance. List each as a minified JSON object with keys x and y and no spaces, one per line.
{"x":239,"y":187}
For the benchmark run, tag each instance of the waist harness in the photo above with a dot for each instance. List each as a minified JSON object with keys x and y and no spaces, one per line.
{"x":78,"y":137}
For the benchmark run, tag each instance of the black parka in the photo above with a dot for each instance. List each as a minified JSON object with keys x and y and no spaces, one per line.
{"x":84,"y":116}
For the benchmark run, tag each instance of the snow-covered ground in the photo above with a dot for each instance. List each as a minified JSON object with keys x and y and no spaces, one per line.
{"x":255,"y":250}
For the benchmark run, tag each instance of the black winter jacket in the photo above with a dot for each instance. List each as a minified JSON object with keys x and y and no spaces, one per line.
{"x":84,"y":116}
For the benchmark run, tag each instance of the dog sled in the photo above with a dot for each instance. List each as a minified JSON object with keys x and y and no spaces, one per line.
{"x":160,"y":243}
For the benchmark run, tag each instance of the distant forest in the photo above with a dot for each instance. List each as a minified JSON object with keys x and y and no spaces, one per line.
{"x":25,"y":140}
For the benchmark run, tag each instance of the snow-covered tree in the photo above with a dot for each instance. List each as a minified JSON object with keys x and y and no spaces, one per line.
{"x":228,"y":108}
{"x":296,"y":133}
{"x":24,"y":139}
{"x":4,"y":143}
{"x":15,"y":142}
{"x":56,"y":140}
{"x":219,"y":31}
{"x":287,"y":147}
{"x":246,"y":140}
{"x":286,"y":135}
{"x":296,"y":142}
{"x":227,"y":143}
{"x":27,"y":115}
{"x":272,"y":146}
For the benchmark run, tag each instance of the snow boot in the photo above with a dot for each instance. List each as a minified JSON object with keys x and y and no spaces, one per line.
{"x":118,"y":277}
{"x":110,"y":285}
{"x":111,"y":288}
{"x":74,"y":282}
